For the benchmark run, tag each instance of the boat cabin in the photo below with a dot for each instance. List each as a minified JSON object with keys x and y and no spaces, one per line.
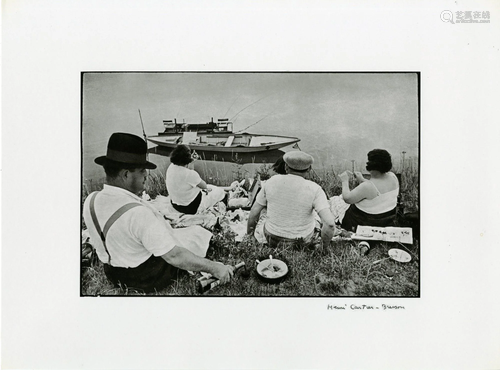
{"x":172,"y":127}
{"x":223,"y":125}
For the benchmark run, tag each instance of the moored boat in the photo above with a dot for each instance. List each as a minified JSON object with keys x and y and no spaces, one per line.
{"x":217,"y":137}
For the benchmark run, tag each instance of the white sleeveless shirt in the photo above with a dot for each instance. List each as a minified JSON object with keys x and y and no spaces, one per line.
{"x":381,"y":203}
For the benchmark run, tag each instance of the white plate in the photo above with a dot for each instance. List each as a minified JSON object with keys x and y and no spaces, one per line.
{"x":399,"y":255}
{"x":272,"y":269}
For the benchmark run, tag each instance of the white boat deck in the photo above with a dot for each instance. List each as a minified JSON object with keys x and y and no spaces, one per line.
{"x":243,"y":142}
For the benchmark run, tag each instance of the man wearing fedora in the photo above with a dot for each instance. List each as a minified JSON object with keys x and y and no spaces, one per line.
{"x":290,"y":200}
{"x":131,"y":239}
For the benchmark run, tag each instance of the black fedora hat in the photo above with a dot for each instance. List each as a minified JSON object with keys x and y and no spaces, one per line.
{"x":126,"y":151}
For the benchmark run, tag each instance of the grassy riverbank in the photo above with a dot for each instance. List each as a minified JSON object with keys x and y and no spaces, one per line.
{"x":339,"y":270}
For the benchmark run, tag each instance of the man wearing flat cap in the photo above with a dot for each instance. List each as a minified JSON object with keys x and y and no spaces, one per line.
{"x":291,"y":200}
{"x":135,"y":244}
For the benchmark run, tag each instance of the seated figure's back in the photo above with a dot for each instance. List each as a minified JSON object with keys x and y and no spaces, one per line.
{"x":290,"y":201}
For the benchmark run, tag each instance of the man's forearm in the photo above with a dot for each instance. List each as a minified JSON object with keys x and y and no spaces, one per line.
{"x":327,"y":233}
{"x":345,"y":191}
{"x":328,"y":228}
{"x":253,"y":218}
{"x":202,"y":185}
{"x":186,"y":260}
{"x":251,"y":224}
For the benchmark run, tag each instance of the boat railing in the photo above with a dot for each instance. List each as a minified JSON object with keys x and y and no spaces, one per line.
{"x":222,"y":125}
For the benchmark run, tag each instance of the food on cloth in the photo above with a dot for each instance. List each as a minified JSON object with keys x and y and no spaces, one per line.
{"x":238,"y":202}
{"x":271,"y":271}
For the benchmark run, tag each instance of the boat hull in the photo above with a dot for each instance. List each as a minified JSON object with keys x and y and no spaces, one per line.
{"x":243,"y":143}
{"x":269,"y":156}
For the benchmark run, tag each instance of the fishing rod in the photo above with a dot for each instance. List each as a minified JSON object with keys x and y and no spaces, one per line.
{"x":142,"y":124}
{"x":232,"y":118}
{"x":231,"y":106}
{"x":253,"y":124}
{"x":143,"y":132}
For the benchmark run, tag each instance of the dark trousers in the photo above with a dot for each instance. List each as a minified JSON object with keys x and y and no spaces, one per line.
{"x":354,"y":217}
{"x":154,"y":273}
{"x":191,"y":208}
{"x":273,"y":240}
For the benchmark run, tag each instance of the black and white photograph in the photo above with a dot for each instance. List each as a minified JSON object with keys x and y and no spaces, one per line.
{"x":300,"y":184}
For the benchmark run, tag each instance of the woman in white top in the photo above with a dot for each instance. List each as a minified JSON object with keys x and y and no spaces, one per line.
{"x":373,"y":202}
{"x":188,"y":192}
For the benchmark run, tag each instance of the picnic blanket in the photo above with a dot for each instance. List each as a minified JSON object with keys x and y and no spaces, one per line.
{"x":207,"y":219}
{"x":235,"y":221}
{"x":239,"y":201}
{"x":338,"y":207}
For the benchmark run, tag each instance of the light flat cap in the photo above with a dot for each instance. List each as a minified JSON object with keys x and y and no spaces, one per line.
{"x":298,"y":160}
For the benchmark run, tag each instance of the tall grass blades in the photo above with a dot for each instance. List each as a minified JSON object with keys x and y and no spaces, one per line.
{"x":337,"y":270}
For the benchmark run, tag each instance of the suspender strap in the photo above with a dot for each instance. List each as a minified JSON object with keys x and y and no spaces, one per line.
{"x":94,"y":217}
{"x":115,"y":216}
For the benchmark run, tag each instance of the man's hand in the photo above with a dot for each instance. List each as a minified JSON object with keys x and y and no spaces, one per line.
{"x":249,"y":238}
{"x":223,"y":272}
{"x":253,"y":217}
{"x":194,"y":156}
{"x":344,"y":176}
{"x":337,"y":231}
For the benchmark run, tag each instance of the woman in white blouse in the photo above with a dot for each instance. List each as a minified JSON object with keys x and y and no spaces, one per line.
{"x":373,"y":202}
{"x":188,"y":192}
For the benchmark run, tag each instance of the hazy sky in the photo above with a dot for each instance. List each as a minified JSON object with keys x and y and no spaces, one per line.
{"x":339,"y":117}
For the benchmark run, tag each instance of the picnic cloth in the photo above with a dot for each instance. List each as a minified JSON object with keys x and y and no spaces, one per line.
{"x":338,"y":207}
{"x":194,"y":238}
{"x":238,"y":202}
{"x":162,"y":204}
{"x":234,"y":221}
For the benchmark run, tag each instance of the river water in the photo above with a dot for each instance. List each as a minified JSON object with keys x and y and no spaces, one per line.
{"x":339,"y":117}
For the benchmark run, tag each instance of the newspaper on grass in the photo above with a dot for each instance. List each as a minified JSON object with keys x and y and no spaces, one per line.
{"x":387,"y":234}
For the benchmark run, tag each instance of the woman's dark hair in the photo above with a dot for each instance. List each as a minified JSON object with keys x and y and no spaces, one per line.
{"x":181,"y":155}
{"x":279,"y":166}
{"x":379,"y":160}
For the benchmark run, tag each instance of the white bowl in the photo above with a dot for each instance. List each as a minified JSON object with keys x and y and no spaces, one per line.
{"x":272,"y":269}
{"x":399,"y":255}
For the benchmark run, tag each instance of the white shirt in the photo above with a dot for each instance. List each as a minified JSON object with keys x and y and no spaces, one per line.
{"x":382,"y":202}
{"x":182,"y":184}
{"x":291,"y":201}
{"x":134,"y":237}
